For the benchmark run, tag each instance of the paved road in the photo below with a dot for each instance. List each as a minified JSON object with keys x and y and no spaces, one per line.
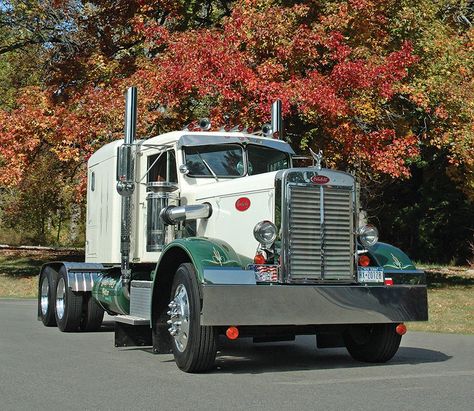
{"x":42,"y":368}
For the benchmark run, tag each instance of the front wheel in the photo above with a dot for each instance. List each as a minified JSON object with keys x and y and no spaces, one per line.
{"x":375,"y":343}
{"x":194,"y":346}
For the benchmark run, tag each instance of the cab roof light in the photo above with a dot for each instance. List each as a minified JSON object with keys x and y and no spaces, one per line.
{"x":204,"y":124}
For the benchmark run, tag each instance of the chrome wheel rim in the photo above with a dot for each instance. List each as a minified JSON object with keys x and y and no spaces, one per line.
{"x":179,"y":318}
{"x":44,"y":296}
{"x":60,"y":293}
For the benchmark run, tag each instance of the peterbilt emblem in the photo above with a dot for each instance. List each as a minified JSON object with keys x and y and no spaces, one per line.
{"x":320,"y":179}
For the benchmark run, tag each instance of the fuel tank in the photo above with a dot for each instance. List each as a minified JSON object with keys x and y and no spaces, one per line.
{"x":109,"y":293}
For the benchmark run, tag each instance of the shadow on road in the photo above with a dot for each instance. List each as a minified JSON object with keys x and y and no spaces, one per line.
{"x":245,"y":357}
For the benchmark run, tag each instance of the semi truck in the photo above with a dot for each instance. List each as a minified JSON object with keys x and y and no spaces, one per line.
{"x":197,"y":235}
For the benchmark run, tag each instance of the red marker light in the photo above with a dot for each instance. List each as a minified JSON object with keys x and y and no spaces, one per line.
{"x":232,"y":333}
{"x":259,"y":259}
{"x":401,"y":329}
{"x":388,"y":281}
{"x":242,"y":204}
{"x":364,"y":260}
{"x":227,"y":128}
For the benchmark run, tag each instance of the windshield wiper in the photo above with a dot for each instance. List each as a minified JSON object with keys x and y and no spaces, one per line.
{"x":207,"y":166}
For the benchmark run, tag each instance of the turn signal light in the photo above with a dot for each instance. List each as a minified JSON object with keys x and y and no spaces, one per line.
{"x":401,"y":329}
{"x":232,"y":333}
{"x":388,"y":281}
{"x":259,"y":259}
{"x":364,"y":260}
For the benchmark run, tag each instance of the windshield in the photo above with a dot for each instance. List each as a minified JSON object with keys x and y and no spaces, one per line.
{"x":222,"y":160}
{"x":229,"y":160}
{"x":264,"y":159}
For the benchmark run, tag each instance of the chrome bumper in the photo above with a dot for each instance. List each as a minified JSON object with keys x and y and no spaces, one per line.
{"x":226,"y":304}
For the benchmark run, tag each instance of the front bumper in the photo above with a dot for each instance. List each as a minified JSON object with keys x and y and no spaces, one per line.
{"x":249,"y":304}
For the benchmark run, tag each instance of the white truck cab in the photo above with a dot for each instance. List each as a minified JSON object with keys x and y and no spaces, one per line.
{"x":196,"y":233}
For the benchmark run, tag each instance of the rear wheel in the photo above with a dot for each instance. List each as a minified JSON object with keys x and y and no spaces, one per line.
{"x":376,"y":343}
{"x":68,"y":305}
{"x":194,"y":346}
{"x":48,"y":280}
{"x":93,"y":315}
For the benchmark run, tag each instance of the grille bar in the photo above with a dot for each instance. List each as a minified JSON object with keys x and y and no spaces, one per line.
{"x":320,"y":227}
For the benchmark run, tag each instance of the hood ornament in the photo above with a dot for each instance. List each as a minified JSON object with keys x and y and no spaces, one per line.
{"x":317,"y":158}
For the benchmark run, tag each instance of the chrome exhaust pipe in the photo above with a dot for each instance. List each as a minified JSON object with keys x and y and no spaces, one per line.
{"x":174,"y":214}
{"x":126,"y":185}
{"x":277,"y":119}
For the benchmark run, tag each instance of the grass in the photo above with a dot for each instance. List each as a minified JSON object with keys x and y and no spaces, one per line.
{"x":450,"y":289}
{"x":19,"y":270}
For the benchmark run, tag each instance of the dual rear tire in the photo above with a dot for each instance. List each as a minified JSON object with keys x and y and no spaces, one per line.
{"x":69,"y":310}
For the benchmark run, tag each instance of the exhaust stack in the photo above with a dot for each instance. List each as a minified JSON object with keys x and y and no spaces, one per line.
{"x":126,"y":184}
{"x":277,"y":119}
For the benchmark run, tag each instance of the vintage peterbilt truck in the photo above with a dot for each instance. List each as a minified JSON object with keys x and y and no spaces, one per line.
{"x":197,"y":234}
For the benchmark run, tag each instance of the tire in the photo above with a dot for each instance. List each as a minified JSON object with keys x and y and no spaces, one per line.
{"x":93,"y":315}
{"x":46,"y":302}
{"x":68,"y":305}
{"x":194,"y":346}
{"x":375,"y":343}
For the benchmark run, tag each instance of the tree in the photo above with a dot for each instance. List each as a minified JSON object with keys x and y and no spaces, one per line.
{"x":378,"y":85}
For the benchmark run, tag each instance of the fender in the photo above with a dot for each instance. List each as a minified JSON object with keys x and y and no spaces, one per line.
{"x":203,"y":253}
{"x":397,"y":264}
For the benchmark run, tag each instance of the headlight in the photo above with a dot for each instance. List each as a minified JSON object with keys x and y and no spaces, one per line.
{"x":265,"y":232}
{"x":368,"y":235}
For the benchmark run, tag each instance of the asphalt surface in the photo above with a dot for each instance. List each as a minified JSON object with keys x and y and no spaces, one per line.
{"x":42,"y":368}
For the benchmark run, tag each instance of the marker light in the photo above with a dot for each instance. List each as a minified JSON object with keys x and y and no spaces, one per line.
{"x":259,"y":259}
{"x":265,"y":232}
{"x":267,"y":130}
{"x":232,"y":333}
{"x":368,"y":235}
{"x":204,"y":124}
{"x":364,"y":260}
{"x":388,"y":281}
{"x":401,"y":329}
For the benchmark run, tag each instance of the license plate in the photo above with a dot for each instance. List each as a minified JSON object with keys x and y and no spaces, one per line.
{"x":370,"y":274}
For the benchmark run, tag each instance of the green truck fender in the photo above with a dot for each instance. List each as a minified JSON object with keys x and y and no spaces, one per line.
{"x":396,"y":264}
{"x":202,"y":253}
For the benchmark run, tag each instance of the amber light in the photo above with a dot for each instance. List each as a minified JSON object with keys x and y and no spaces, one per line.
{"x":232,"y":333}
{"x":259,"y":259}
{"x":401,"y":329}
{"x":364,"y":260}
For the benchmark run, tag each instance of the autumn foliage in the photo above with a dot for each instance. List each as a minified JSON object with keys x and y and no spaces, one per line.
{"x":372,"y":83}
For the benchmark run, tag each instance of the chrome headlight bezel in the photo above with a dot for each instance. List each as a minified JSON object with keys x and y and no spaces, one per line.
{"x":265,"y":232}
{"x":368,"y":235}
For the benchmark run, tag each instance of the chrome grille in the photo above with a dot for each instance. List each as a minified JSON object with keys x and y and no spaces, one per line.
{"x":320,"y":233}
